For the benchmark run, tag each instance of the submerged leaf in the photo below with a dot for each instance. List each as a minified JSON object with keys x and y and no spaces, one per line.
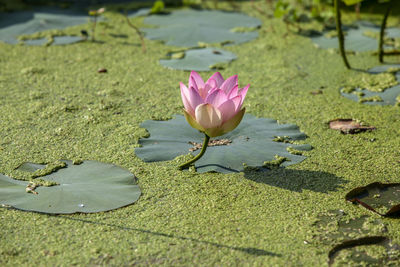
{"x":349,"y":237}
{"x":360,"y":257}
{"x":89,"y":187}
{"x":383,"y":199}
{"x":251,"y":143}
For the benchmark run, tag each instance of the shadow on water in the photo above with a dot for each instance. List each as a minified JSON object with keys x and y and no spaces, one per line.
{"x":248,"y":250}
{"x":297,"y":180}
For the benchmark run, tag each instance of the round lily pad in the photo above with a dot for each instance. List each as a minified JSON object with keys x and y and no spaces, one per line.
{"x":361,"y":37}
{"x":186,"y":28}
{"x":28,"y":22}
{"x":202,"y":59}
{"x":389,"y":96}
{"x":256,"y":142}
{"x":91,"y":186}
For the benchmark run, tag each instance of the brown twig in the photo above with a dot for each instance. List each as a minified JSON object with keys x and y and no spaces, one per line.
{"x":138,"y":33}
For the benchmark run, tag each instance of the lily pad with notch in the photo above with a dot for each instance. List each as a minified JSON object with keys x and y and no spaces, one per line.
{"x":251,"y":144}
{"x":359,"y":37}
{"x":383,"y":199}
{"x":387,"y":95}
{"x":201,"y":59}
{"x":89,"y":187}
{"x":186,"y":28}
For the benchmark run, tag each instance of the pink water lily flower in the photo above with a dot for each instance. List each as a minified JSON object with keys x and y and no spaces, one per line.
{"x":214,"y":107}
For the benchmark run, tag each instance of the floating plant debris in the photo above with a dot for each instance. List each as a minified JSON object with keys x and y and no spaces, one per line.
{"x":102,"y":70}
{"x":383,"y":199}
{"x":252,"y":144}
{"x":89,"y":187}
{"x":349,"y":126}
{"x":214,"y":142}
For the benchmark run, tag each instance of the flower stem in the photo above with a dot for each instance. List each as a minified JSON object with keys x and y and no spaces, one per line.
{"x":382,"y":32}
{"x":203,"y":150}
{"x":340,"y":33}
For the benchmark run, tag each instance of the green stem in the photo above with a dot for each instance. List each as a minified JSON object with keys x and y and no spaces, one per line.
{"x":340,"y":33}
{"x":382,"y":32}
{"x":203,"y":150}
{"x":94,"y":27}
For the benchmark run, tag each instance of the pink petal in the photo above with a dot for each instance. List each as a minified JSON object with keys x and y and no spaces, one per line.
{"x":192,"y":83}
{"x":185,"y":97}
{"x":195,"y":80}
{"x":194,"y":98}
{"x":211,"y":83}
{"x":229,"y":84}
{"x":232,"y":123}
{"x":243,"y":92}
{"x":212,"y":91}
{"x":237,"y":100}
{"x":217,"y":77}
{"x":233,"y":92}
{"x":216,"y":98}
{"x":228,"y":110}
{"x":203,"y":91}
{"x":206,"y":91}
{"x":208,"y":116}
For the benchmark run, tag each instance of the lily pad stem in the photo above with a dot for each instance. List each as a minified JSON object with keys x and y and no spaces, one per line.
{"x":94,"y":27}
{"x":340,"y":33}
{"x":203,"y":150}
{"x":382,"y":32}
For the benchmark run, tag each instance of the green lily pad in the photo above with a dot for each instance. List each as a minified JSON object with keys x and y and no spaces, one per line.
{"x":186,"y":28}
{"x":91,"y":186}
{"x":28,"y":22}
{"x":383,"y":199}
{"x":139,"y":12}
{"x":356,"y":38}
{"x":252,"y":144}
{"x":202,"y":59}
{"x":57,"y":40}
{"x":66,"y":39}
{"x":386,"y":97}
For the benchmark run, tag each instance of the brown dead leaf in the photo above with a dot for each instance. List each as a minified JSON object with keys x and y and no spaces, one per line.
{"x":349,"y":126}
